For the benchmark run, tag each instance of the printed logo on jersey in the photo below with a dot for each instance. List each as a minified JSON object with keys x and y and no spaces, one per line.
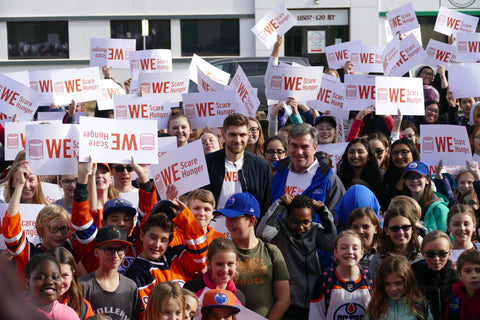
{"x":351,"y":311}
{"x":126,"y":263}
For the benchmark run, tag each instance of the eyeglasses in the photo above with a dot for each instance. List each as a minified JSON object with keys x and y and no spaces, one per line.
{"x":379,"y":151}
{"x":272,"y":152}
{"x":433,"y":254}
{"x":434,"y":111}
{"x":401,"y":152}
{"x":253,"y":129}
{"x":431,"y":74}
{"x":404,"y":228}
{"x":63,"y":230}
{"x":297,"y":223}
{"x":110,"y":251}
{"x":121,"y":168}
{"x":68,"y":182}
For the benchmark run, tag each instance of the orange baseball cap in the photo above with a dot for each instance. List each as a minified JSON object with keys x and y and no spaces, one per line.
{"x":218,"y":298}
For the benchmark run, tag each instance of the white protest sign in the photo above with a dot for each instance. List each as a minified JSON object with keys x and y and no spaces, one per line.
{"x":52,"y":191}
{"x":402,"y":19}
{"x":285,"y":81}
{"x":147,"y":107}
{"x":210,"y":71}
{"x":335,"y":151}
{"x":116,"y":141}
{"x":205,"y":84}
{"x":15,"y":98}
{"x":389,"y":35}
{"x":451,"y":21}
{"x":463,"y":79}
{"x":367,"y":58}
{"x":359,"y":91}
{"x":247,"y":100}
{"x":331,"y":95}
{"x":468,"y":47}
{"x":184,"y":167}
{"x":393,"y":93}
{"x":28,"y":215}
{"x":444,"y":142}
{"x":439,"y":53}
{"x":109,"y":89}
{"x":76,"y":84}
{"x":174,"y":83}
{"x":156,"y":60}
{"x":390,"y":56}
{"x":15,"y":138}
{"x":41,"y":81}
{"x":339,"y":54}
{"x":20,"y":76}
{"x":166,"y":144}
{"x":209,"y":108}
{"x":111,"y":52}
{"x":276,"y":22}
{"x":410,"y":54}
{"x":50,"y":148}
{"x":54,"y":117}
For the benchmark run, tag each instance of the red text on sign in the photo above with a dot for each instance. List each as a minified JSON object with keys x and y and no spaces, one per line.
{"x":397,"y":95}
{"x":204,"y":108}
{"x":291,"y":82}
{"x":444,"y":143}
{"x":125,"y":142}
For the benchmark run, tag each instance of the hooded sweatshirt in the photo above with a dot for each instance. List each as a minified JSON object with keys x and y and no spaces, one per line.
{"x":436,"y":215}
{"x":471,"y":121}
{"x":469,"y":306}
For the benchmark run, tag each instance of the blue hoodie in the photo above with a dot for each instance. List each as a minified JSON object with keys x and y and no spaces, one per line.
{"x":356,"y":196}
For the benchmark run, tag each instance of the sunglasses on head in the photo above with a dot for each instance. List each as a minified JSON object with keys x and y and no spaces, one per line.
{"x":121,"y":168}
{"x":433,"y":254}
{"x":404,"y":228}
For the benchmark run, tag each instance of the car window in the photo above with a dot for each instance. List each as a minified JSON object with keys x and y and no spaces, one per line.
{"x":227,"y":67}
{"x":254,"y":68}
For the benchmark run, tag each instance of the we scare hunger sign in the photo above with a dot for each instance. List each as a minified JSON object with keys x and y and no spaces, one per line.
{"x":393,"y":93}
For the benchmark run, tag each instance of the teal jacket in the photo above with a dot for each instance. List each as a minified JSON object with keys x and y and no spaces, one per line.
{"x":436,"y":215}
{"x":399,"y":311}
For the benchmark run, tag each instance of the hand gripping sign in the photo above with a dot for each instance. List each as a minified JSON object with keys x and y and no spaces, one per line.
{"x":451,"y":21}
{"x":468,"y":47}
{"x":209,"y":108}
{"x":15,"y":98}
{"x":116,"y":141}
{"x":359,"y":91}
{"x":156,"y":60}
{"x":276,"y":22}
{"x":393,"y":93}
{"x":300,"y":82}
{"x":210,"y":71}
{"x":444,"y":142}
{"x":76,"y":84}
{"x":402,"y":19}
{"x":247,"y":100}
{"x":50,"y":148}
{"x":184,"y":167}
{"x":439,"y":53}
{"x":109,"y":89}
{"x":147,"y":107}
{"x":173,"y":84}
{"x":28,"y":218}
{"x":339,"y":54}
{"x":111,"y":52}
{"x":463,"y":79}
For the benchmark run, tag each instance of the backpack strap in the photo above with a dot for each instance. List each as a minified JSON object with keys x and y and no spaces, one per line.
{"x":454,"y":305}
{"x":84,"y":310}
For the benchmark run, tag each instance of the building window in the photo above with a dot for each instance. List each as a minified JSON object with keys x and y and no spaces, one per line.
{"x":210,"y":37}
{"x":158,"y":37}
{"x":37,"y":40}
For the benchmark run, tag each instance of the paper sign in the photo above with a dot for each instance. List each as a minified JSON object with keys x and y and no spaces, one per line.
{"x":339,"y":54}
{"x":41,"y":81}
{"x":402,"y":19}
{"x":76,"y":84}
{"x":410,"y":54}
{"x":448,"y":143}
{"x":247,"y":100}
{"x":109,"y":89}
{"x":367,"y":58}
{"x":166,"y":144}
{"x":463,"y":79}
{"x":285,"y":81}
{"x":52,"y":191}
{"x":20,"y":76}
{"x":439,"y":53}
{"x":276,"y":22}
{"x":331,"y":95}
{"x":390,"y":56}
{"x":28,"y":215}
{"x":468,"y":47}
{"x":53,"y":117}
{"x":50,"y":148}
{"x":209,"y":108}
{"x":174,"y":83}
{"x":116,"y":141}
{"x":147,"y":107}
{"x":335,"y":151}
{"x":206,"y":84}
{"x":451,"y":21}
{"x":156,"y":60}
{"x":210,"y":71}
{"x":389,"y":35}
{"x":111,"y":52}
{"x":15,"y":138}
{"x":359,"y":91}
{"x":184,"y":167}
{"x":15,"y":98}
{"x":393,"y":93}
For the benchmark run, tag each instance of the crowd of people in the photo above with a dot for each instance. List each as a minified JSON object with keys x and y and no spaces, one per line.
{"x":276,"y":234}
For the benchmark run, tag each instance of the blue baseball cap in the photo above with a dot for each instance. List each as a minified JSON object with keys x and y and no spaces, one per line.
{"x":418,"y":167}
{"x":118,"y":204}
{"x":240,"y":204}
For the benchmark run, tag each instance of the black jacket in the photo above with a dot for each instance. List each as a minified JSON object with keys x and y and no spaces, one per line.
{"x":255,"y":176}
